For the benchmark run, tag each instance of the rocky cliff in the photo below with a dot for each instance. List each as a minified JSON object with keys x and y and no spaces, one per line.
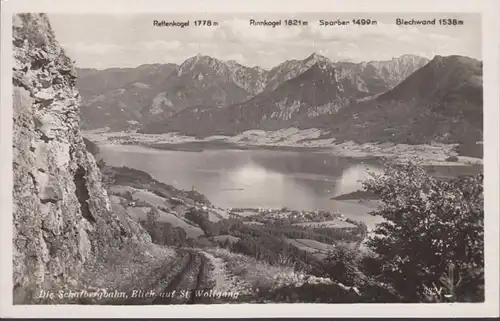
{"x":62,"y":214}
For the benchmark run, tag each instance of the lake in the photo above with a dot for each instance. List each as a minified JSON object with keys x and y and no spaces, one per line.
{"x":255,"y":178}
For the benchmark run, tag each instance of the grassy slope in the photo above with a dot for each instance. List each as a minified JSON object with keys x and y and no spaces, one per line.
{"x":260,"y":282}
{"x":254,"y":275}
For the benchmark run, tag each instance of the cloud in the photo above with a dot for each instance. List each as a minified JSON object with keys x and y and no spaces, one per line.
{"x":234,"y":56}
{"x":201,"y":33}
{"x":159,"y":45}
{"x":240,"y":30}
{"x":92,"y":48}
{"x":440,"y":37}
{"x":134,"y":42}
{"x":356,"y":32}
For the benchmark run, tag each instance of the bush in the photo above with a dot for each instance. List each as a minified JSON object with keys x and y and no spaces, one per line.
{"x":128,"y":195}
{"x":371,"y":264}
{"x":342,"y":265}
{"x":152,"y":218}
{"x":429,"y":225}
{"x":163,"y":233}
{"x":200,"y":218}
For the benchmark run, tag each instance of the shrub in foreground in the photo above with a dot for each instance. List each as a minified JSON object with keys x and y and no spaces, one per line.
{"x":342,"y":265}
{"x":430,"y":226}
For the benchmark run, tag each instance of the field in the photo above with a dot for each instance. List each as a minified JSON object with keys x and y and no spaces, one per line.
{"x":147,"y":196}
{"x":253,"y":223}
{"x":223,"y":238}
{"x":332,"y":223}
{"x":213,"y":217}
{"x":319,"y":249}
{"x":222,"y":213}
{"x":246,"y":213}
{"x":141,"y":213}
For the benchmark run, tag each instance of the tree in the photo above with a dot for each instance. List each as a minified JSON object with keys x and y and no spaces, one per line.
{"x":153,"y":216}
{"x":151,"y":219}
{"x":226,"y":244}
{"x":342,"y":265}
{"x":128,"y":195}
{"x":429,"y":225}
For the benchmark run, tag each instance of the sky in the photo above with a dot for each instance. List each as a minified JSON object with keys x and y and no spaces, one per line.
{"x":106,"y":41}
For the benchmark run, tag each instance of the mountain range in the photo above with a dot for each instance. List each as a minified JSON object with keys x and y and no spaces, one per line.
{"x":442,"y":101}
{"x":205,"y":96}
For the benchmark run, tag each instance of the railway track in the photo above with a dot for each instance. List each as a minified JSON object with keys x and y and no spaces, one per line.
{"x":182,"y":288}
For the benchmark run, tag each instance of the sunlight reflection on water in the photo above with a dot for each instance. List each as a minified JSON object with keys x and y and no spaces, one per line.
{"x":351,"y":178}
{"x":268,"y":179}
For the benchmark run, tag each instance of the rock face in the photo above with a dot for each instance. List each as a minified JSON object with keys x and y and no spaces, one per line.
{"x":62,"y":214}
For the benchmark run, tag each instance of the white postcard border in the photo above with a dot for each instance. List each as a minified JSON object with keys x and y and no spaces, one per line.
{"x":491,"y":84}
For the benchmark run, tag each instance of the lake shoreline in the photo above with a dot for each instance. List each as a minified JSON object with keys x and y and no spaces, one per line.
{"x":242,"y":183}
{"x":291,"y":140}
{"x":138,"y":184}
{"x":197,"y":147}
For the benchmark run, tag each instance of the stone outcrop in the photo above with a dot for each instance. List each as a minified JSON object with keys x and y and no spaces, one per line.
{"x":62,"y":214}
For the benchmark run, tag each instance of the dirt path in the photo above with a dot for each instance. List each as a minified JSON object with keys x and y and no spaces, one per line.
{"x":202,"y":279}
{"x":177,"y":285}
{"x":193,"y":277}
{"x":163,"y":297}
{"x":224,"y":281}
{"x":182,"y":288}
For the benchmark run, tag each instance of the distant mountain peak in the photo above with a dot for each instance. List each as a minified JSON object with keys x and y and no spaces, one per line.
{"x":316,"y":57}
{"x":198,"y":56}
{"x":454,"y":71}
{"x":259,"y":69}
{"x":404,"y":56}
{"x":199,"y":59}
{"x":455,"y":57}
{"x":295,"y":90}
{"x":323,"y":65}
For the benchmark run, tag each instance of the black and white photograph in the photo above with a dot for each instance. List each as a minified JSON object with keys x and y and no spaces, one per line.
{"x":247,"y":158}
